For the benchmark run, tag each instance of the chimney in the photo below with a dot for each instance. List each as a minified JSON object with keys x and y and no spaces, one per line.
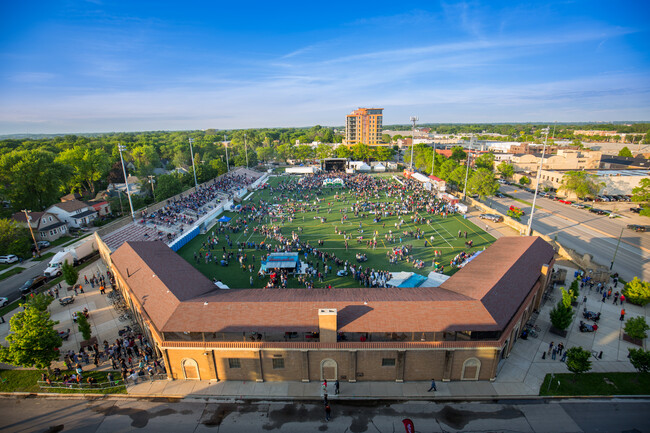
{"x":327,"y":325}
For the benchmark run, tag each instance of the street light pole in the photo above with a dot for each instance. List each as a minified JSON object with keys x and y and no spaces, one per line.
{"x":469,"y":151}
{"x":196,"y":185}
{"x":126,"y":180}
{"x":539,"y":175}
{"x":433,"y":159}
{"x":413,"y":119}
{"x":152,"y":180}
{"x":225,"y":144}
{"x":29,"y":218}
{"x":616,"y":250}
{"x":246,"y":149}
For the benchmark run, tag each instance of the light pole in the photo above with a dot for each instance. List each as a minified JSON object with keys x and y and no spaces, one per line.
{"x":433,"y":159}
{"x":196,"y":185}
{"x":246,"y":149}
{"x":225,"y":144}
{"x":469,"y":151}
{"x":152,"y":180}
{"x":616,"y":251}
{"x":29,"y":218}
{"x":413,"y":119}
{"x":126,"y":181}
{"x":539,"y":175}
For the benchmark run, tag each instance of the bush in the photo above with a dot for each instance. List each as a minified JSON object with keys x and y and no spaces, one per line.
{"x":515,"y":212}
{"x":636,"y":327}
{"x":577,"y":361}
{"x":637,"y":292}
{"x":70,"y":274}
{"x":562,"y":314}
{"x":84,"y":326}
{"x":574,"y":290}
{"x":640,"y":359}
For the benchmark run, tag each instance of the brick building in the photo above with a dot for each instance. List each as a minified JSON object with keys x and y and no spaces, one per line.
{"x":458,"y":331}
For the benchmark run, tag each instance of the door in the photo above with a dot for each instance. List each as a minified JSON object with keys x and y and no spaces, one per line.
{"x":328,"y":370}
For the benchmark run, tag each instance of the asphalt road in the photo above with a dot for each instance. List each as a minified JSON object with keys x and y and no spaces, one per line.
{"x":9,"y":286}
{"x":584,"y":232}
{"x":114,"y":416}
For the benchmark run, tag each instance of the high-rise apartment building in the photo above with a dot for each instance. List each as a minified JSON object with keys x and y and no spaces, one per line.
{"x":364,"y":126}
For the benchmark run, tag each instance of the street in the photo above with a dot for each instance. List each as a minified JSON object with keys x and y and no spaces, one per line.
{"x":121,"y":415}
{"x":584,"y":232}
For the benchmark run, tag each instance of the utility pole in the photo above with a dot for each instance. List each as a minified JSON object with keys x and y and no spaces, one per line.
{"x":413,"y":119}
{"x":539,"y":175}
{"x":29,"y":218}
{"x":616,"y":251}
{"x":152,"y":180}
{"x":246,"y":149}
{"x":126,"y":180}
{"x":196,"y":185}
{"x":433,"y":159}
{"x":469,"y":151}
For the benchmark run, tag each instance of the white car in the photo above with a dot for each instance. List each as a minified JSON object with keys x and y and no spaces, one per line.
{"x":3,"y":301}
{"x":9,"y":258}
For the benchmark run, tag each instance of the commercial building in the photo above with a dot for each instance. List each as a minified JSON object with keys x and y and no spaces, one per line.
{"x":615,"y":181}
{"x":364,"y":126}
{"x":457,"y":331}
{"x":563,"y":160}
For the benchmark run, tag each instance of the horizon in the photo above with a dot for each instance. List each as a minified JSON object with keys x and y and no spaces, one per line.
{"x":88,"y":66}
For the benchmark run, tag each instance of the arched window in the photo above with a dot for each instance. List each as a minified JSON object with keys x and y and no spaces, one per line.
{"x":190,"y":369}
{"x":471,"y":369}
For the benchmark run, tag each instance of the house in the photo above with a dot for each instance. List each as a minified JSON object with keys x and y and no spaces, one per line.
{"x":74,"y":212}
{"x":102,"y":207}
{"x":134,"y":185}
{"x":46,"y":225}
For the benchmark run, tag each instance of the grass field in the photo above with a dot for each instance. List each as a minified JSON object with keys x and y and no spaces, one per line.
{"x":27,"y":381}
{"x":444,"y":230}
{"x":596,"y":384}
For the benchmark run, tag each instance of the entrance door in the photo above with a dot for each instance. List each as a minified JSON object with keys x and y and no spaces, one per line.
{"x":328,"y":370}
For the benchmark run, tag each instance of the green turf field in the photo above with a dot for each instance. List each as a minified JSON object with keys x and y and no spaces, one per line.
{"x":444,"y":230}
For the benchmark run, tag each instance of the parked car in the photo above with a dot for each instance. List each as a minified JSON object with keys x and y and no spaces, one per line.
{"x":499,"y":195}
{"x":501,"y":181}
{"x":636,"y":209}
{"x":4,"y":301}
{"x":9,"y":258}
{"x":491,"y":217}
{"x":578,"y":205}
{"x":43,"y":244}
{"x":637,"y":227}
{"x":598,"y":211}
{"x":32,"y":284}
{"x":565,"y":201}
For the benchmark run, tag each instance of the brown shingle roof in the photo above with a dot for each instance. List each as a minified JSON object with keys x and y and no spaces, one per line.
{"x":71,"y":205}
{"x":180,"y":299}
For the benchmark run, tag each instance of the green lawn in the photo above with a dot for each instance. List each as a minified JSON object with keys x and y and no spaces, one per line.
{"x":597,"y":384}
{"x":444,"y":230}
{"x":27,"y":381}
{"x":9,"y":273}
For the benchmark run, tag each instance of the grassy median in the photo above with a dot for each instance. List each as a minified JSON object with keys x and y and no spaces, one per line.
{"x":596,"y":384}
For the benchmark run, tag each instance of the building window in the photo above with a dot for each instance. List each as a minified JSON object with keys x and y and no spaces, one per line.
{"x":388,"y":362}
{"x":278,"y":363}
{"x":234,"y":363}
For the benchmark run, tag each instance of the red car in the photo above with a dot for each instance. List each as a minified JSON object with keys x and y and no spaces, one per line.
{"x":566,"y":201}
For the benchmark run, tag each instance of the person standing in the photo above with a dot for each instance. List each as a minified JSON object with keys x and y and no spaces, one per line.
{"x":622,"y":315}
{"x":336,"y":387}
{"x":622,"y":299}
{"x":550,"y":348}
{"x":328,"y":412}
{"x":433,"y":386}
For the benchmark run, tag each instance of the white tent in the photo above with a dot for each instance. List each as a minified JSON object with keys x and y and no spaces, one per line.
{"x":434,"y":279}
{"x":380,"y":167}
{"x":363,"y":167}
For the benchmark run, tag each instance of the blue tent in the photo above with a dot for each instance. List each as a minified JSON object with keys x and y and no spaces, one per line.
{"x":224,"y":219}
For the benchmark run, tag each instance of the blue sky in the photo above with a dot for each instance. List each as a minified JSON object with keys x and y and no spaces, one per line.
{"x":101,"y":66}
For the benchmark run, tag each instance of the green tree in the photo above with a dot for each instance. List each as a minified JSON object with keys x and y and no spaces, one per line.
{"x":506,"y":170}
{"x":84,"y":326}
{"x":385,"y":138}
{"x":384,"y":153}
{"x":486,"y":161}
{"x":88,"y":166}
{"x":458,"y":154}
{"x":642,"y":194}
{"x":483,"y":183}
{"x":168,"y":185}
{"x":640,"y":359}
{"x":265,"y":153}
{"x":562,"y":313}
{"x":637,"y":292}
{"x":581,"y":183}
{"x":447,"y":168}
{"x":361,"y":152}
{"x":457,"y":177}
{"x":636,"y":327}
{"x":40,"y":301}
{"x":14,"y":239}
{"x":343,"y":152}
{"x":577,"y":361}
{"x":70,"y":274}
{"x":524,"y":180}
{"x":33,"y":341}
{"x":323,"y":151}
{"x":625,"y":151}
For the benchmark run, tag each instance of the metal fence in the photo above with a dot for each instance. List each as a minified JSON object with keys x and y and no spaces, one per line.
{"x":82,"y":385}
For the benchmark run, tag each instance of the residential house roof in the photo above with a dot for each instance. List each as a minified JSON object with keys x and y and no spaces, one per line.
{"x":71,"y":206}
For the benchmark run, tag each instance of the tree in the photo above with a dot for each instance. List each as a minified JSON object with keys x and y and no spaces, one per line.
{"x":14,"y":239}
{"x":343,"y":152}
{"x":524,"y":180}
{"x":84,"y":326}
{"x":642,"y":194}
{"x":515,"y":212}
{"x":33,"y":341}
{"x":625,"y":151}
{"x":636,"y":327}
{"x":640,"y":359}
{"x":637,"y":292}
{"x":40,"y":301}
{"x":88,"y":166}
{"x":265,"y":153}
{"x":360,"y":152}
{"x":70,"y":274}
{"x":457,"y":177}
{"x":447,"y":167}
{"x":385,"y":138}
{"x":581,"y":183}
{"x":458,"y":154}
{"x":577,"y":361}
{"x":483,"y":183}
{"x":485,"y":161}
{"x":168,"y":185}
{"x":562,"y":313}
{"x":506,"y":170}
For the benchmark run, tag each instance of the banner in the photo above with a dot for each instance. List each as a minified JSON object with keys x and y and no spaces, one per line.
{"x":408,"y":425}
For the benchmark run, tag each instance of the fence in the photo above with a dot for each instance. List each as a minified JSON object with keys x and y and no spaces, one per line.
{"x":82,"y":385}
